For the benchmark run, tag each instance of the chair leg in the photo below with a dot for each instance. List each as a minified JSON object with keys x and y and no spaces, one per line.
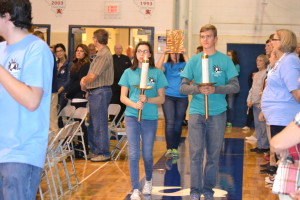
{"x":117,"y":146}
{"x":67,"y":174}
{"x":52,"y":179}
{"x":124,"y":146}
{"x":83,"y":144}
{"x":58,"y":179}
{"x":74,"y":169}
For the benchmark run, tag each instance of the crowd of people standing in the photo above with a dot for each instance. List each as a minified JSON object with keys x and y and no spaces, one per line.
{"x":98,"y":78}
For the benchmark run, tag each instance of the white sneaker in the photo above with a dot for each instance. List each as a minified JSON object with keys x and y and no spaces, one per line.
{"x":251,"y":138}
{"x":147,"y":187}
{"x":136,"y":195}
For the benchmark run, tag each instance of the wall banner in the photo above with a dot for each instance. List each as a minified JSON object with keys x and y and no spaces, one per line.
{"x":146,"y":6}
{"x":57,"y":6}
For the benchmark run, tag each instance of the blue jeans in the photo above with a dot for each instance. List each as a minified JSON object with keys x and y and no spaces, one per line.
{"x":147,"y":130}
{"x":98,"y":124}
{"x":260,"y":129}
{"x":230,"y":110}
{"x":205,"y":134}
{"x":19,"y":181}
{"x":174,"y":111}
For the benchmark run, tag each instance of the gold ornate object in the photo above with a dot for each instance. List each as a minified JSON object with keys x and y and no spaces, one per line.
{"x":174,"y":40}
{"x":141,"y":93}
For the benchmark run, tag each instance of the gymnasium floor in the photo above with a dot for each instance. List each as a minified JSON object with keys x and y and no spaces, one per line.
{"x":238,"y":179}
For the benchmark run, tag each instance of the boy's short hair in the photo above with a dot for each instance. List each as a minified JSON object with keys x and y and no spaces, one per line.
{"x":19,"y":10}
{"x":208,"y":27}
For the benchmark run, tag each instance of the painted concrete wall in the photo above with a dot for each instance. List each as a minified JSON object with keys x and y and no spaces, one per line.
{"x":237,"y":21}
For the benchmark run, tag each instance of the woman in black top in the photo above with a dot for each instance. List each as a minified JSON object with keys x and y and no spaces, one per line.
{"x":79,"y":69}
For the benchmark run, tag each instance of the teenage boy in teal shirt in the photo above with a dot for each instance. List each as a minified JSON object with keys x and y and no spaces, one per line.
{"x":207,"y":133}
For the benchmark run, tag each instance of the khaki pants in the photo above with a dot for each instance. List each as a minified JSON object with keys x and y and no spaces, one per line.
{"x":53,"y":112}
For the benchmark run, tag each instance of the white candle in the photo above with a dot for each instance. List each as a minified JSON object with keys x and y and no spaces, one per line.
{"x":205,"y":69}
{"x":144,"y":73}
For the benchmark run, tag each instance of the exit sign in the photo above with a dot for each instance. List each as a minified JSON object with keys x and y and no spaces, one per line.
{"x":113,"y":9}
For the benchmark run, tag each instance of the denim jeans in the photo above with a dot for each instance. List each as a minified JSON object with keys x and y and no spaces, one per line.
{"x":230,"y":111}
{"x":98,"y":124}
{"x":19,"y":181}
{"x":174,"y":110}
{"x":147,"y":130}
{"x":260,"y":129}
{"x":205,"y":134}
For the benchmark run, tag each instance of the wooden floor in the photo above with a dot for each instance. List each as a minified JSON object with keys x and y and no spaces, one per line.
{"x":111,"y":180}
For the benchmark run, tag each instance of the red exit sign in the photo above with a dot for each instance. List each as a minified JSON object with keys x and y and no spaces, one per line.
{"x":113,"y":9}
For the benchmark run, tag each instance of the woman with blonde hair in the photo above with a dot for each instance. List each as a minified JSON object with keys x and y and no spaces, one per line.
{"x":280,"y":101}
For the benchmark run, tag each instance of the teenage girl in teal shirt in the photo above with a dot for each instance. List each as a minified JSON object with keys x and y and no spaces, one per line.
{"x":146,"y":128}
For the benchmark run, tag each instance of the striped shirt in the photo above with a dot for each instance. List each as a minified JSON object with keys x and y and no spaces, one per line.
{"x":102,"y":66}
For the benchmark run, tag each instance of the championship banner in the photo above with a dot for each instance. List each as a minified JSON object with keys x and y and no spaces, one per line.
{"x":57,"y":6}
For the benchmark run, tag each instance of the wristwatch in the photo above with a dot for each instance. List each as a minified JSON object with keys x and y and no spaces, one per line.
{"x":297,"y":120}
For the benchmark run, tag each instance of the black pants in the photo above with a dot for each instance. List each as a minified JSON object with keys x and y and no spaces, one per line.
{"x":274,"y":131}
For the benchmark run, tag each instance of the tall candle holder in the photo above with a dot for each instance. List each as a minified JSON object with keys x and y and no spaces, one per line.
{"x":142,"y":93}
{"x":206,"y":98}
{"x":205,"y":81}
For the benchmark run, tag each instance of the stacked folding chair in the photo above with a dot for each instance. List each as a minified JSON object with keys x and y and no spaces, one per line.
{"x":59,"y":150}
{"x":80,"y":114}
{"x":119,"y":132}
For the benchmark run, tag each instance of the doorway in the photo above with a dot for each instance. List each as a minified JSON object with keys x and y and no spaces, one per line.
{"x":126,"y":36}
{"x":247,"y":54}
{"x":44,"y":28}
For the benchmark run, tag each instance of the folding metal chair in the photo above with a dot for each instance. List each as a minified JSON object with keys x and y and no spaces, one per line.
{"x":58,"y":152}
{"x":45,"y":176}
{"x":80,"y":114}
{"x":66,"y":113}
{"x":119,"y":131}
{"x":114,"y":110}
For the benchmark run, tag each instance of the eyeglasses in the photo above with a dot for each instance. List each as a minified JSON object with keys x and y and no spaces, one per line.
{"x":81,"y":51}
{"x":144,"y":52}
{"x":59,"y":51}
{"x":275,"y":39}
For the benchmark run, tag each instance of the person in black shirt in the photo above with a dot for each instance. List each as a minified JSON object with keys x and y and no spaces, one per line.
{"x":121,"y":63}
{"x":79,"y":69}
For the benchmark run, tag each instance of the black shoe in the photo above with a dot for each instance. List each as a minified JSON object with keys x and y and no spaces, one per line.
{"x":254,"y":149}
{"x":265,"y":165}
{"x":264,"y":171}
{"x":270,"y":170}
{"x":262,"y":150}
{"x":184,"y":123}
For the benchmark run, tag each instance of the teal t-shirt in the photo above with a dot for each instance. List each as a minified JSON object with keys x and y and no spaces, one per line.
{"x":156,"y":79}
{"x":221,"y":69}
